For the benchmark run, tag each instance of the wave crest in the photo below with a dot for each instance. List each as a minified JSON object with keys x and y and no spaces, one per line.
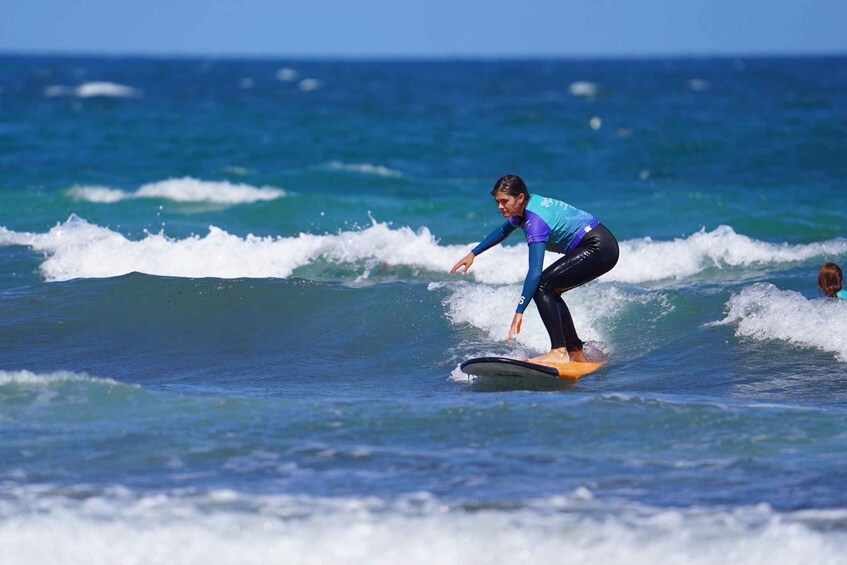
{"x":646,"y":260}
{"x":78,"y":249}
{"x":364,"y":169}
{"x":41,"y":379}
{"x":184,"y":189}
{"x":764,"y":312}
{"x":100,"y":89}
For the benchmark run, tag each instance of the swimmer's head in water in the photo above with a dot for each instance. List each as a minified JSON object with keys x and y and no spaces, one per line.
{"x":829,"y":279}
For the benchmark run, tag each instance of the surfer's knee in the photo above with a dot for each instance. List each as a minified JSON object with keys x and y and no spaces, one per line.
{"x":547,"y":289}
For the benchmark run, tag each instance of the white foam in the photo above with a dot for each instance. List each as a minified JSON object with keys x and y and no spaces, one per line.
{"x":365,"y":169}
{"x":583,"y":88}
{"x":646,"y":260}
{"x":456,"y":375}
{"x":649,"y":261}
{"x":56,"y":90}
{"x":107,"y":89}
{"x":93,"y":90}
{"x":77,"y":248}
{"x":596,"y":122}
{"x":184,"y":189}
{"x":699,"y":84}
{"x":309,"y":84}
{"x":764,"y":312}
{"x":121,"y":526}
{"x":490,"y":309}
{"x":286,"y":75}
{"x":42,"y":379}
{"x":236,"y":170}
{"x":100,"y":194}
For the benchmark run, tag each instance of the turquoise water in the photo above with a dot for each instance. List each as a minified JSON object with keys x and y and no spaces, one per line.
{"x":227,"y":331}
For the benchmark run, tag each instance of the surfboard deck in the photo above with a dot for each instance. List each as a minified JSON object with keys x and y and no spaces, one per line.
{"x":507,"y":367}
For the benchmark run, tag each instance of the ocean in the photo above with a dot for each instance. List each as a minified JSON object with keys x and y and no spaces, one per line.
{"x":228,"y":333}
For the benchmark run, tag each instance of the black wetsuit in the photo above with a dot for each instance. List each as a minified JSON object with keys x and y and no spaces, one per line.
{"x":595,"y":255}
{"x":589,"y":250}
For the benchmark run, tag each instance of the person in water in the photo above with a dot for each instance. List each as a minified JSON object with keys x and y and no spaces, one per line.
{"x":588,"y":250}
{"x":829,"y":281}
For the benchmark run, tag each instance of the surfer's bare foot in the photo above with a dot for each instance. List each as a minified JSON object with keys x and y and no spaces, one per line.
{"x":559,"y":356}
{"x":578,"y":356}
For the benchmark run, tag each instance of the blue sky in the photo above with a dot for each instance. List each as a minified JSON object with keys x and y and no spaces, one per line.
{"x":429,"y":28}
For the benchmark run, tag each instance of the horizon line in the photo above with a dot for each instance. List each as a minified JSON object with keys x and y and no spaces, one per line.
{"x":763,"y":54}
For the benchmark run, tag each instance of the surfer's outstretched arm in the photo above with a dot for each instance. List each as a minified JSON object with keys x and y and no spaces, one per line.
{"x":465,"y":261}
{"x":492,"y":239}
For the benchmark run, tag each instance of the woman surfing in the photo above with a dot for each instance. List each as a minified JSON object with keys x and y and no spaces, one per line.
{"x":588,"y":250}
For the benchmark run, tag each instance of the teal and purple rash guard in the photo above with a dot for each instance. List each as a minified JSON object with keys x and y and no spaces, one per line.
{"x":549,"y":224}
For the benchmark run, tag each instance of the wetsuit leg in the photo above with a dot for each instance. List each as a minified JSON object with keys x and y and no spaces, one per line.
{"x":595,"y":255}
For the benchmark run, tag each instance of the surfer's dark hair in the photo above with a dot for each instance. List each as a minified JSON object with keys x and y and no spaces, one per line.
{"x":829,"y":279}
{"x":511,"y":185}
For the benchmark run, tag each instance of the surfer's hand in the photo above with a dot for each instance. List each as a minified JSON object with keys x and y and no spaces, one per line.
{"x":515,"y":329}
{"x":467,"y":261}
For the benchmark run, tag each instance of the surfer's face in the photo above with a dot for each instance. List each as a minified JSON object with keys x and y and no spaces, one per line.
{"x":509,"y":205}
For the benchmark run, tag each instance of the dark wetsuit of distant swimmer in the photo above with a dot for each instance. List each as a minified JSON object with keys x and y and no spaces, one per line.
{"x":588,"y":250}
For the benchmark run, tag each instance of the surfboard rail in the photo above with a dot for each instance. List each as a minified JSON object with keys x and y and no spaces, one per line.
{"x":507,"y":367}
